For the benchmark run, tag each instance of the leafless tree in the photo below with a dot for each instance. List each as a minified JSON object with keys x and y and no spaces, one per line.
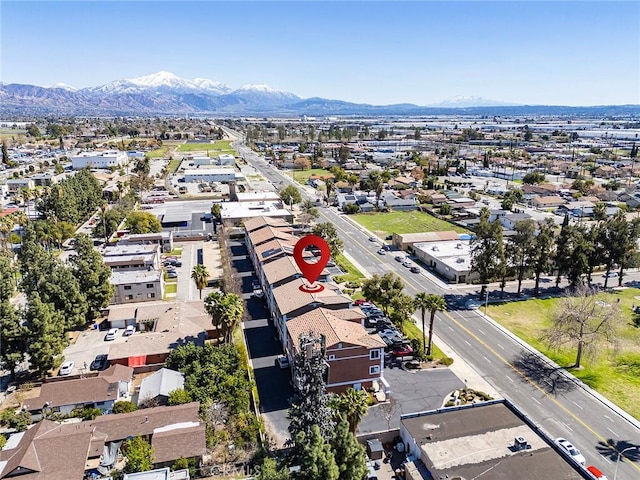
{"x":586,"y":321}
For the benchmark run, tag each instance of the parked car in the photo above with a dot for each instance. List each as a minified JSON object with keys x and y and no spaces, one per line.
{"x":172,"y":275}
{"x":597,"y":474}
{"x":111,"y":334}
{"x":99,"y":363}
{"x":570,"y":450}
{"x":130,"y":330}
{"x":178,"y":263}
{"x":361,"y":301}
{"x":403,"y":351}
{"x":66,"y":368}
{"x":610,"y":274}
{"x":282,"y":361}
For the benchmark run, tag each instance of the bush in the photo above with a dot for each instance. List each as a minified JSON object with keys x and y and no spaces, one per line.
{"x":124,"y":406}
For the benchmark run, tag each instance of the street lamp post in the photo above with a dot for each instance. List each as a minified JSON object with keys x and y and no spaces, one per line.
{"x":615,"y":475}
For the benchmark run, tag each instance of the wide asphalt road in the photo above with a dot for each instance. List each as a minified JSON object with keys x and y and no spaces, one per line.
{"x":557,"y":405}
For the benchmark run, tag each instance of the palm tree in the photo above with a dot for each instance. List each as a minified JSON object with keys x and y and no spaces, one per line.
{"x":225,"y":310}
{"x":354,"y":405}
{"x":432,"y":303}
{"x":200,"y":277}
{"x":232,"y":309}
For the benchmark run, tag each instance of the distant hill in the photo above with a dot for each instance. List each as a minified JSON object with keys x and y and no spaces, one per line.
{"x":164,"y":93}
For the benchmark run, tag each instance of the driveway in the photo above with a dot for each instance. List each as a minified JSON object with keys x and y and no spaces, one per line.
{"x":273,"y":383}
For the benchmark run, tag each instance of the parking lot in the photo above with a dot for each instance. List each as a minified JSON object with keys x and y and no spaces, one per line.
{"x":87,"y":345}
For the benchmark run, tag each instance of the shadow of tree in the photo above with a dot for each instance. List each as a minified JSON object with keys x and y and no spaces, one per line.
{"x":611,"y":448}
{"x":545,"y":375}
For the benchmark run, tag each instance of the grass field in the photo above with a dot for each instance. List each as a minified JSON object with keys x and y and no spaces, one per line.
{"x":384,"y":224}
{"x":615,"y":374}
{"x":302,"y":176}
{"x":221,"y":147}
{"x":158,"y":153}
{"x":352,"y":273}
{"x":171,"y":287}
{"x":9,"y":133}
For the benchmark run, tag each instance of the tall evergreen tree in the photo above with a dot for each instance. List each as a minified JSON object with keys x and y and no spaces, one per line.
{"x":486,"y":250}
{"x":316,"y":459}
{"x":614,"y":238}
{"x":521,"y":249}
{"x":13,"y":337}
{"x":7,"y":278}
{"x":348,"y":453}
{"x":92,"y":275}
{"x":543,"y":251}
{"x":47,"y":335}
{"x":563,"y":250}
{"x":329,"y":233}
{"x":310,"y":403}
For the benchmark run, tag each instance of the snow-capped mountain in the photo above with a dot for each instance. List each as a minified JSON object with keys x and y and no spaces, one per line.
{"x":265,"y":94}
{"x":163,"y":82}
{"x":64,"y":86}
{"x":462,"y":101}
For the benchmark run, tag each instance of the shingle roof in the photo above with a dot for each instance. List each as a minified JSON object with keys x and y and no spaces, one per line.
{"x":185,"y":441}
{"x":335,"y":330}
{"x":256,"y":223}
{"x":289,"y":297}
{"x":280,"y":269}
{"x":275,"y":248}
{"x":102,"y":388}
{"x":267,"y":233}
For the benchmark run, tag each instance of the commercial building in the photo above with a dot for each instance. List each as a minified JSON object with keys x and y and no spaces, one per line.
{"x":205,"y":174}
{"x":450,"y":259}
{"x":124,"y":257}
{"x":104,"y":159}
{"x":473,"y":440}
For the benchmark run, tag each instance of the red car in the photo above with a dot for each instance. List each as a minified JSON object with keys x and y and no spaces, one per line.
{"x":360,"y":301}
{"x":596,"y":473}
{"x":402,"y":351}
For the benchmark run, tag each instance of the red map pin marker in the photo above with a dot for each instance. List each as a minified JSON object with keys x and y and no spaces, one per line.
{"x":311,"y":271}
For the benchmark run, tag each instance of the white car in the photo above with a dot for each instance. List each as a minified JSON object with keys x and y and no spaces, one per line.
{"x":570,"y":450}
{"x":111,"y":334}
{"x":66,"y":368}
{"x":130,"y":330}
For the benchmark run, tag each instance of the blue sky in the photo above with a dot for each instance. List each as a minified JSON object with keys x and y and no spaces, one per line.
{"x":560,"y":53}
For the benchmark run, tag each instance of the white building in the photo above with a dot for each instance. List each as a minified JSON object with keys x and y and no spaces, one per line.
{"x":238,"y":212}
{"x":222,"y":175}
{"x":450,"y":259}
{"x":104,"y":159}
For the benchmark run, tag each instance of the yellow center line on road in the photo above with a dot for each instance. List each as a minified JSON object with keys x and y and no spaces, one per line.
{"x":531,"y":382}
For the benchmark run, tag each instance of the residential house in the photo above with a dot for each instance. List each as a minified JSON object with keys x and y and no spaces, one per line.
{"x":395,"y":202}
{"x":159,"y":474}
{"x":14,"y":185}
{"x":157,"y":386}
{"x":162,"y":327}
{"x":64,"y":396}
{"x":137,"y":286}
{"x":131,"y":257}
{"x":547,"y":201}
{"x":163,"y":239}
{"x":355,"y":358}
{"x":606,"y":171}
{"x":510,"y":219}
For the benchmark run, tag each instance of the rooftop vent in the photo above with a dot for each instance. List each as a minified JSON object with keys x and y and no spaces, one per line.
{"x":520,"y":443}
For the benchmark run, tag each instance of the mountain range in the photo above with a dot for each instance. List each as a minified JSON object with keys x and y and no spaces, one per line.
{"x":164,"y":93}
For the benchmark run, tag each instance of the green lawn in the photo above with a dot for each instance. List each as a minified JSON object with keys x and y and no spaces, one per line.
{"x":616,"y":375}
{"x":158,"y":152}
{"x":352,"y":273}
{"x":302,"y":176}
{"x":177,"y":251}
{"x":173,"y":166}
{"x":220,"y":147}
{"x":170,"y":287}
{"x":387,"y":223}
